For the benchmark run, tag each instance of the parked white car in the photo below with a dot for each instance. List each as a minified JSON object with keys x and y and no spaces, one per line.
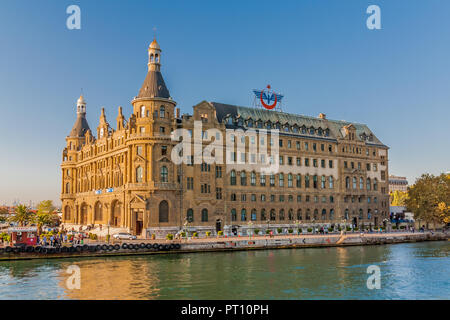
{"x":124,"y":236}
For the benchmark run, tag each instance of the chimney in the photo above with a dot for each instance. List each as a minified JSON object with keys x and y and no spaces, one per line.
{"x":322,"y":116}
{"x":178,"y":113}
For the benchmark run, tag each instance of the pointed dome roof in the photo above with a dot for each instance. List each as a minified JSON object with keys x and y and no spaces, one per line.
{"x":154,"y":45}
{"x":81,"y":100}
{"x":154,"y":86}
{"x":80,"y":127}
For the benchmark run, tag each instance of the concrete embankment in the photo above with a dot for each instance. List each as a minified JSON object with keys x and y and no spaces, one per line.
{"x":146,"y":247}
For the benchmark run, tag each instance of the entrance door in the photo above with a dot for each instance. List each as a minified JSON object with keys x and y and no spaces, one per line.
{"x":218,"y":225}
{"x":376,"y":222}
{"x":138,"y":227}
{"x":355,"y":222}
{"x":139,"y":222}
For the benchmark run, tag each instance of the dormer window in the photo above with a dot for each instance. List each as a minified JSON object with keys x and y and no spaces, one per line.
{"x":230,"y":120}
{"x":204,"y":117}
{"x":250,"y":123}
{"x":101,"y":132}
{"x":311,"y":130}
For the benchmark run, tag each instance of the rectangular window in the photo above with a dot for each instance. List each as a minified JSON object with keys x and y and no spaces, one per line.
{"x":163,"y":150}
{"x":307,"y":162}
{"x":330,"y":163}
{"x":322,"y":163}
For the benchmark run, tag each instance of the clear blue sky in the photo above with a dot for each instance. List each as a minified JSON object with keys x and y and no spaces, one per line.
{"x":318,"y":53}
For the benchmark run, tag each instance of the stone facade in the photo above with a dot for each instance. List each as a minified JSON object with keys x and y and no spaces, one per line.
{"x":330,"y":172}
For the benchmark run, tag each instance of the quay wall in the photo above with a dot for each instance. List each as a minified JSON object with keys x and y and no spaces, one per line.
{"x":247,"y":243}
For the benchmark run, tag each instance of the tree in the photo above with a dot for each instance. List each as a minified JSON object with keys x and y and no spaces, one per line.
{"x":3,"y":215}
{"x":22,"y":215}
{"x":45,"y":214}
{"x":398,"y":198}
{"x":429,"y":198}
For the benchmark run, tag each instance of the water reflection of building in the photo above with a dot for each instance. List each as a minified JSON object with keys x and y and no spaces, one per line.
{"x":112,"y":279}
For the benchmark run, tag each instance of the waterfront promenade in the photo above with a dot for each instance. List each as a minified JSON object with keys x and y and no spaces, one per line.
{"x":92,"y":248}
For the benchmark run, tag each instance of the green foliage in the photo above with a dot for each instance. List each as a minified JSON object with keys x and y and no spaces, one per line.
{"x":208,"y":233}
{"x":309,"y":229}
{"x":330,"y":229}
{"x":268,"y":231}
{"x":220,"y":233}
{"x":22,"y":215}
{"x":356,"y":229}
{"x":300,"y":230}
{"x":183,"y":234}
{"x":195,"y":234}
{"x":279,"y":230}
{"x":348,"y":229}
{"x":93,"y":236}
{"x":45,"y":214}
{"x":290,"y":230}
{"x":256,"y":231}
{"x":429,"y":198}
{"x":169,"y":236}
{"x":394,"y":227}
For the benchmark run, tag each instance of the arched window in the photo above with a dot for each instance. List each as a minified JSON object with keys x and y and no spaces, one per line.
{"x":243,"y":215}
{"x":205,"y":215}
{"x":67,"y":213}
{"x":299,"y":214}
{"x":331,"y":214}
{"x":253,"y":216}
{"x":308,"y":214}
{"x":157,"y":58}
{"x":253,"y":179}
{"x":368,"y":184}
{"x":243,"y":178}
{"x":139,"y":174}
{"x":315,"y":182}
{"x":291,"y":215}
{"x":331,"y":182}
{"x":347,"y":182}
{"x":263,"y":215}
{"x":142,"y":111}
{"x":164,"y":211}
{"x":290,"y":180}
{"x":67,"y":187}
{"x":98,"y":212}
{"x":164,"y":174}
{"x":152,"y":58}
{"x":361,"y":214}
{"x":324,"y":214}
{"x":272,"y":180}
{"x":233,"y":215}
{"x":316,"y":214}
{"x":375,"y":184}
{"x":162,"y":112}
{"x":323,"y":182}
{"x":233,"y":177}
{"x":361,"y":183}
{"x":281,"y":215}
{"x":190,"y":215}
{"x":273,"y":216}
{"x":299,"y":181}
{"x":307,"y":181}
{"x":354,"y":182}
{"x":346,"y":214}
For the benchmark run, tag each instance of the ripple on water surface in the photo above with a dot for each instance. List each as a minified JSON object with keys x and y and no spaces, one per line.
{"x":408,"y":271}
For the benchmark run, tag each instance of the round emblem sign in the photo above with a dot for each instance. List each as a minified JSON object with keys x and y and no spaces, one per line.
{"x":268,"y":98}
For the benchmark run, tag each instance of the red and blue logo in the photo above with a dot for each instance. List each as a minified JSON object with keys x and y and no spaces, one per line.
{"x":268,"y":98}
